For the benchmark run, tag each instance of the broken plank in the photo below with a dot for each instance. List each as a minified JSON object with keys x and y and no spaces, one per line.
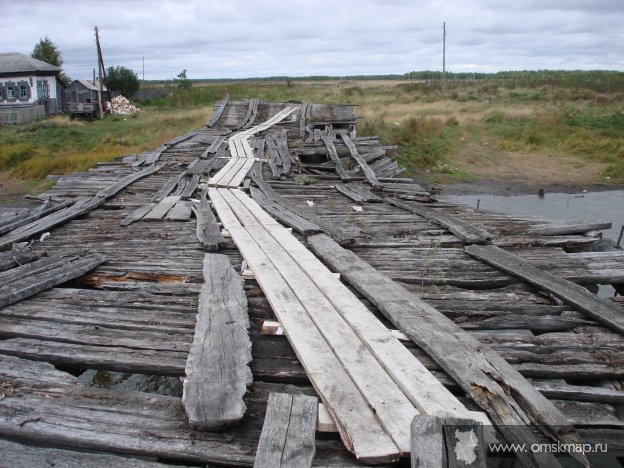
{"x":287,"y":438}
{"x":465,"y":231}
{"x":32,"y":284}
{"x":333,"y":154}
{"x":207,"y":232}
{"x":577,"y":296}
{"x":190,"y":188}
{"x":368,"y":172}
{"x":493,"y":384}
{"x":167,"y":188}
{"x":357,"y":193}
{"x":137,"y":214}
{"x":162,"y":208}
{"x":217,"y":369}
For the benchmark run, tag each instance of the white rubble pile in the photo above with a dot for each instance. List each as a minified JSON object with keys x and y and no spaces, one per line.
{"x":120,"y":105}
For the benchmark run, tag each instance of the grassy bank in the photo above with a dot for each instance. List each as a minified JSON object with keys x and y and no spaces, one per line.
{"x":28,"y":153}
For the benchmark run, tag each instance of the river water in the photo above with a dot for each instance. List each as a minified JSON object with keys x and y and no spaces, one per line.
{"x":594,"y":206}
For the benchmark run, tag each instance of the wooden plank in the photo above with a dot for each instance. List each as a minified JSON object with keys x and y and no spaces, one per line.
{"x":217,"y":369}
{"x":218,"y":112}
{"x":357,"y":193}
{"x":290,"y":218}
{"x":214,"y":147}
{"x":18,"y":455}
{"x":162,"y":208}
{"x":38,"y":213}
{"x":282,"y":147}
{"x":190,"y":188}
{"x":254,"y":113}
{"x":420,"y":387}
{"x":577,"y":296}
{"x":233,"y":172}
{"x":181,"y":211}
{"x":368,"y":172}
{"x":493,"y":384}
{"x":216,"y":179}
{"x":20,"y":254}
{"x":242,"y":173}
{"x":275,"y":161}
{"x":384,"y":396}
{"x":118,"y":186}
{"x":571,"y":227}
{"x":167,"y":188}
{"x":287,"y":438}
{"x":465,"y":231}
{"x":357,"y":424}
{"x":333,"y":154}
{"x":207,"y":232}
{"x":137,"y":214}
{"x":252,"y":103}
{"x":32,"y":284}
{"x":447,"y":443}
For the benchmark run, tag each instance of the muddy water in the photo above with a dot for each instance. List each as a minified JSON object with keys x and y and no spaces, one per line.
{"x":595,"y":206}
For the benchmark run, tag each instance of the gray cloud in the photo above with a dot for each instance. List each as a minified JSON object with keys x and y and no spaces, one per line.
{"x":245,"y":38}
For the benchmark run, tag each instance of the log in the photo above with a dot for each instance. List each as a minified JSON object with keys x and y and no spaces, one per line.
{"x":577,"y":296}
{"x":287,"y":438}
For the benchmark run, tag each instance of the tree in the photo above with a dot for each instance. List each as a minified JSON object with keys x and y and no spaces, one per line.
{"x":183,"y":81}
{"x":122,"y":80}
{"x":47,"y":51}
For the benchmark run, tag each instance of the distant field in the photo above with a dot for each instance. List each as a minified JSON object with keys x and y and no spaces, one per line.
{"x":542,"y":129}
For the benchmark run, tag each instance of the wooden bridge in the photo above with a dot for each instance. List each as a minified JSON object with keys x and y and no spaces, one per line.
{"x":315,"y":305}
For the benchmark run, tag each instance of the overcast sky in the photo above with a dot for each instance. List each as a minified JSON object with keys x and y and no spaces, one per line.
{"x":244,"y":38}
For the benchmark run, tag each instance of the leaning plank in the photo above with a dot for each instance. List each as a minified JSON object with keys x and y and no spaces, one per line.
{"x":492,"y":383}
{"x":217,"y":368}
{"x":447,"y":443}
{"x":118,"y":186}
{"x":282,"y":148}
{"x":368,"y":172}
{"x":162,"y":208}
{"x":357,"y":424}
{"x":254,"y":113}
{"x":333,"y":154}
{"x":252,"y":103}
{"x":167,"y":188}
{"x":465,"y":231}
{"x":208,"y":233}
{"x":577,"y":296}
{"x":287,"y":438}
{"x":289,"y":218}
{"x":30,"y":285}
{"x":218,"y":111}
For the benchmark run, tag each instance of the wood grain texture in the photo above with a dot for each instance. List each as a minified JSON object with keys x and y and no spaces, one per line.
{"x":217,"y":369}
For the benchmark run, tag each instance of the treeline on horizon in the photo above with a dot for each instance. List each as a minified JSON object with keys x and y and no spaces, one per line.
{"x":531,"y":77}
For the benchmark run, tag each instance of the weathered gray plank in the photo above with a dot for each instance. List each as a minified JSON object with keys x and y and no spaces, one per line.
{"x":38,"y":213}
{"x":218,"y":111}
{"x":180,"y":212}
{"x":162,"y":208}
{"x":577,"y":296}
{"x":447,"y":443}
{"x":118,"y":186}
{"x":253,"y":114}
{"x":208,"y":232}
{"x":137,"y":214}
{"x":572,"y":227}
{"x":217,"y":369}
{"x":30,"y":285}
{"x":20,"y":254}
{"x":333,"y":154}
{"x":368,"y":172}
{"x":358,"y":193}
{"x":465,"y":231}
{"x":287,"y":438}
{"x":167,"y":188}
{"x":190,"y":188}
{"x":275,"y":161}
{"x":18,"y":455}
{"x":509,"y":399}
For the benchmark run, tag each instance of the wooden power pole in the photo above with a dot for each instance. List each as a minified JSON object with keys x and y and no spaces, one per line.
{"x":102,"y":71}
{"x":443,"y":56}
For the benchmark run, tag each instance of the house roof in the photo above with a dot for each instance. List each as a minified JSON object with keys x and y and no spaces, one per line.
{"x":13,"y":62}
{"x":90,"y":85}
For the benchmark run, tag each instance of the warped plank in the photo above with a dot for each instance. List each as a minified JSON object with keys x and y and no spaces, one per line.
{"x":368,"y":172}
{"x":254,"y":113}
{"x":275,"y":161}
{"x":282,"y":147}
{"x":162,"y":208}
{"x":492,"y":383}
{"x":333,"y":154}
{"x":167,"y":188}
{"x":219,"y":111}
{"x":287,"y":438}
{"x":465,"y":231}
{"x":384,"y":396}
{"x":252,"y":103}
{"x":577,"y":296}
{"x":214,"y":147}
{"x":357,"y":424}
{"x":208,"y":232}
{"x":217,"y":369}
{"x":24,"y":287}
{"x":118,"y":186}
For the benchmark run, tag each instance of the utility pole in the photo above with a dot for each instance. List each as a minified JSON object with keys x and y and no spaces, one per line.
{"x":443,"y":56}
{"x":97,"y":43}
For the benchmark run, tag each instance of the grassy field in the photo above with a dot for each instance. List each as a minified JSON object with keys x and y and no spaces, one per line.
{"x":526,"y":131}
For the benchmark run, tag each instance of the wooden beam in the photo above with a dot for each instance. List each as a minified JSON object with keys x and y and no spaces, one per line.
{"x":492,"y":383}
{"x":287,"y":438}
{"x":333,"y":154}
{"x":217,"y":368}
{"x":465,"y":231}
{"x":577,"y":296}
{"x":370,"y":175}
{"x":216,"y":115}
{"x":208,"y":232}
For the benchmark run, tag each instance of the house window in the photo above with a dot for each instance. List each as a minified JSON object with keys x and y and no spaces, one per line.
{"x":10,"y":92}
{"x":43,"y":89}
{"x":23,"y":92}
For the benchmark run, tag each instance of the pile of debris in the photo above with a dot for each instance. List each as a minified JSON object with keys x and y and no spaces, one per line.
{"x":120,"y":105}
